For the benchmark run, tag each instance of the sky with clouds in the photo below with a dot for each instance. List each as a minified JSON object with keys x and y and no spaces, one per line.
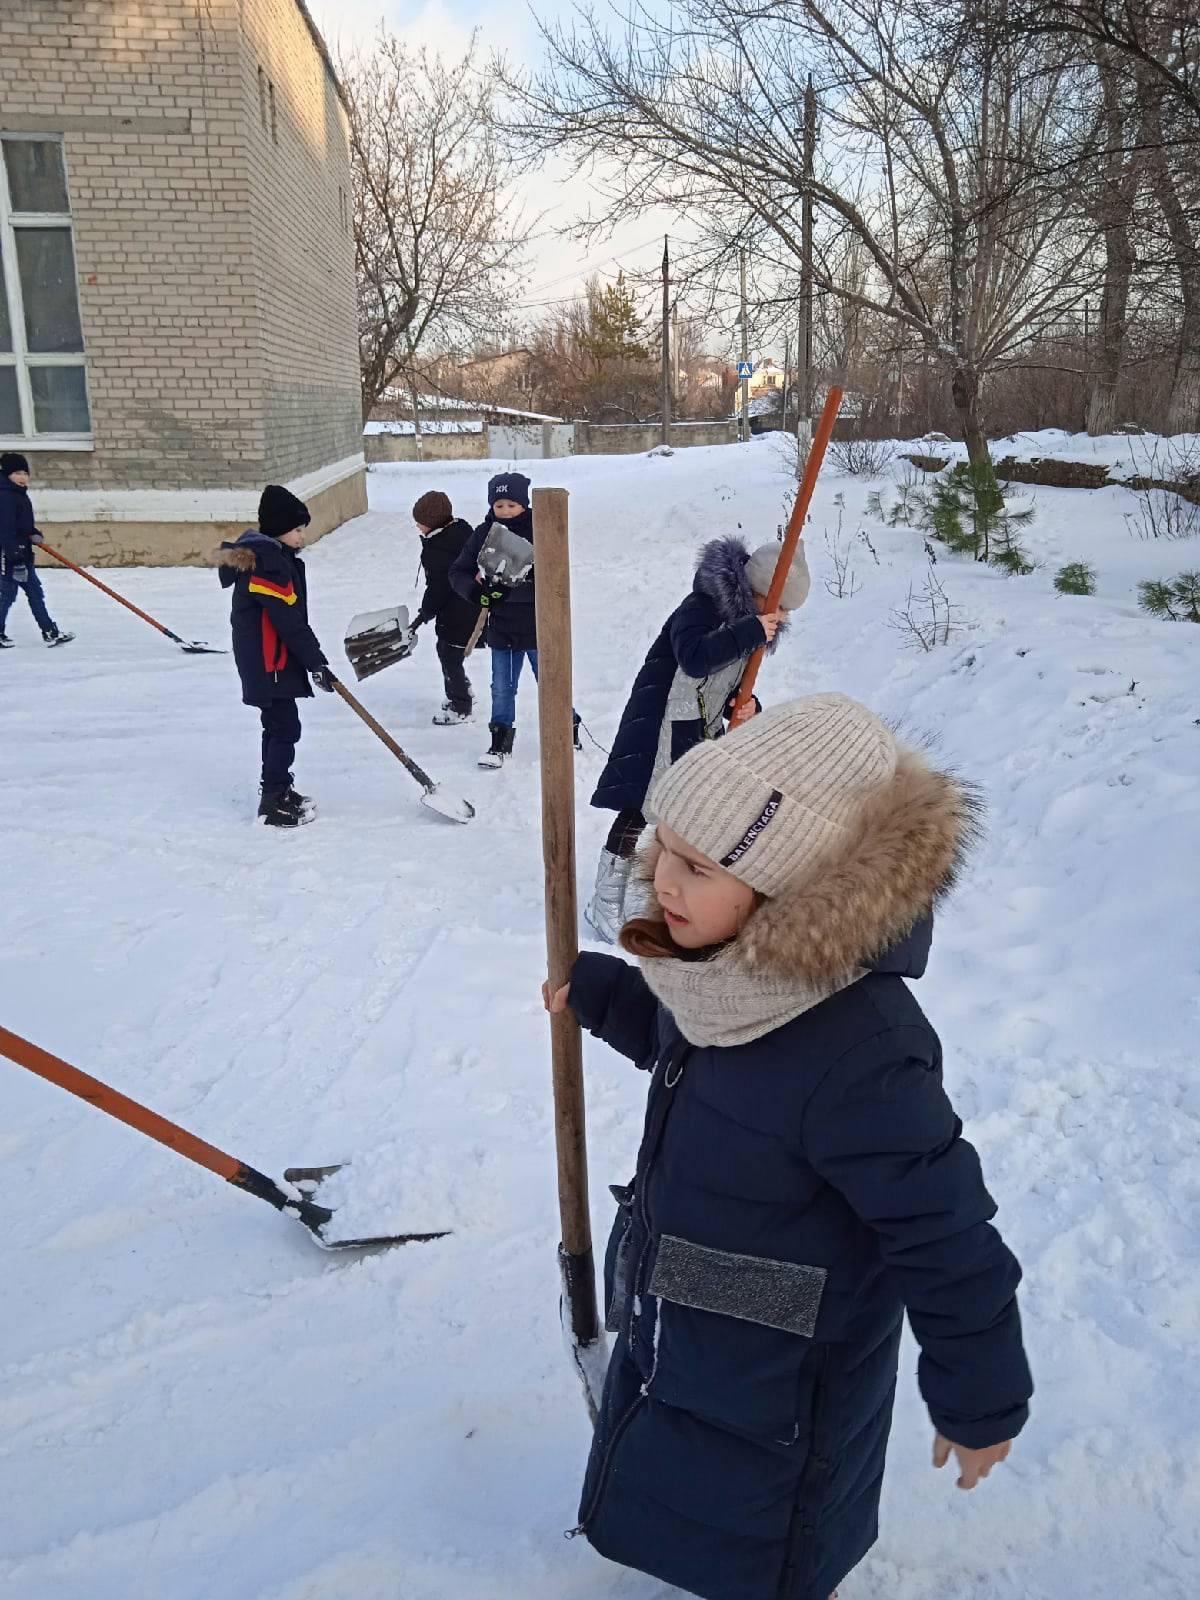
{"x":557,"y":267}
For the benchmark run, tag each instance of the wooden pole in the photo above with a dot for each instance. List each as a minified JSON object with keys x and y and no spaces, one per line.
{"x":791,"y":539}
{"x":553,"y":597}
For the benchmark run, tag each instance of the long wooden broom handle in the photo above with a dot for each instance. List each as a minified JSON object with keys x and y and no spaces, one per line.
{"x":111,"y":593}
{"x":791,"y":538}
{"x":34,"y":1059}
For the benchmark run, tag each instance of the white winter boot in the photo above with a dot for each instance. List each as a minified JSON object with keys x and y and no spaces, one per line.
{"x":605,"y":913}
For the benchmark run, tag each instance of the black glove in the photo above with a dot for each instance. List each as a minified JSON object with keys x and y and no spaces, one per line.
{"x":324,"y":679}
{"x":491,"y":594}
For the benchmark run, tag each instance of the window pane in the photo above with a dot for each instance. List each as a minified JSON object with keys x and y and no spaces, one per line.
{"x":59,"y":399}
{"x":37,"y":180}
{"x":10,"y":404}
{"x":46,"y":265}
{"x":5,"y":323}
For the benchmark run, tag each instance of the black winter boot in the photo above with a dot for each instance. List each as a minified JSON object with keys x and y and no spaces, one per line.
{"x":502,"y":745}
{"x":275,"y":810}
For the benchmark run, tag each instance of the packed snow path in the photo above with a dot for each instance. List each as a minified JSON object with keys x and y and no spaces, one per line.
{"x":194,"y":1402}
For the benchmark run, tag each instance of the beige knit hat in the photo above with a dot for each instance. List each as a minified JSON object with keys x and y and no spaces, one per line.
{"x":768,"y":799}
{"x":760,"y":569}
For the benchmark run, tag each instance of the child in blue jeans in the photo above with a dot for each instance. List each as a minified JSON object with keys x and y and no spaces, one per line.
{"x":512,"y":623}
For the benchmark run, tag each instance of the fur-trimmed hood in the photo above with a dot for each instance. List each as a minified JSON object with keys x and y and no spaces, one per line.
{"x":867,"y":903}
{"x":245,"y":553}
{"x":721,"y":576}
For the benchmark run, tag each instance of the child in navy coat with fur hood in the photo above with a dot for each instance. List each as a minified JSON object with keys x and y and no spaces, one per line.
{"x":682,"y":695}
{"x":276,"y":652}
{"x":803,"y":1181}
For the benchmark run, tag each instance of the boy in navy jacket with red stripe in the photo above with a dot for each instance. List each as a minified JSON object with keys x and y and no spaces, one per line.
{"x":276,"y":652}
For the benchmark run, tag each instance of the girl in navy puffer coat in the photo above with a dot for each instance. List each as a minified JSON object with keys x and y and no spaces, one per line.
{"x":803,"y":1181}
{"x":681,"y":695}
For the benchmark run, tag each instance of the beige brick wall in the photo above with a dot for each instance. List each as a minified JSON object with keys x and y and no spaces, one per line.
{"x":216,"y":280}
{"x":302,"y":258}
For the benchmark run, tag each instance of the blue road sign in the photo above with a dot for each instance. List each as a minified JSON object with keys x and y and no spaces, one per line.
{"x":745,"y":369}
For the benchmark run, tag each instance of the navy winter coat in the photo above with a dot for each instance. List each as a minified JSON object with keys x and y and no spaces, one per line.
{"x":794,"y":1196}
{"x":679,"y":696}
{"x":455,"y":617}
{"x":16,"y":527}
{"x":513,"y":623}
{"x":273,"y":646}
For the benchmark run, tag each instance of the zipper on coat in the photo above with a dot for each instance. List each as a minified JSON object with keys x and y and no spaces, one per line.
{"x":652,"y":1143}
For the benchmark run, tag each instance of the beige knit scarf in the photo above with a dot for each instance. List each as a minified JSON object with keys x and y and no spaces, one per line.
{"x":720,"y":1000}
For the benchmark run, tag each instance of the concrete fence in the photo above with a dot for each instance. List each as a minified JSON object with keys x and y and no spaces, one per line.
{"x":635,"y":438}
{"x":545,"y":441}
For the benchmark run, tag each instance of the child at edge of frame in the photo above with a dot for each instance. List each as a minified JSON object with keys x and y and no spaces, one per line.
{"x":802,"y":1182}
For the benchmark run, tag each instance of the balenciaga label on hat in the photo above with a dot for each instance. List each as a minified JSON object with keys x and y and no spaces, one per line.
{"x":754,"y":830}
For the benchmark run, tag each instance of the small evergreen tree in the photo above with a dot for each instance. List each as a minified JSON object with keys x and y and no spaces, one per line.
{"x":1173,"y":599}
{"x":966,"y":512}
{"x":1077,"y":577}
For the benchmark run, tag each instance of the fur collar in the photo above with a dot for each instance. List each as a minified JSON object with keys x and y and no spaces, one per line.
{"x":721,"y":576}
{"x":868,"y":893}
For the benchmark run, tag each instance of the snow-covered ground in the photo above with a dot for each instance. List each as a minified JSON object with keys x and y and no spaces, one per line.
{"x":196,"y":1402}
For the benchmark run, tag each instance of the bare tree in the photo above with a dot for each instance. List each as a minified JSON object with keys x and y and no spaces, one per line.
{"x":1160,"y":38}
{"x":436,"y":241}
{"x":1118,"y":174}
{"x":941,"y":159}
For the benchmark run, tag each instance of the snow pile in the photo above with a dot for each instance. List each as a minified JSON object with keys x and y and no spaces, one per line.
{"x":195,"y":1401}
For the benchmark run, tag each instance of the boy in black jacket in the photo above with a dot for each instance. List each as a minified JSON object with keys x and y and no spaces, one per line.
{"x":18,"y":535}
{"x":275,"y":650}
{"x":443,"y":536}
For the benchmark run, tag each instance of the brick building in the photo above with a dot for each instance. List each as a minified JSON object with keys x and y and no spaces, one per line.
{"x":177,"y":302}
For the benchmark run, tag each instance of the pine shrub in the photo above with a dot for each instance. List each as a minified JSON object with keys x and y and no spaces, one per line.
{"x":1077,"y":577}
{"x":1172,"y":599}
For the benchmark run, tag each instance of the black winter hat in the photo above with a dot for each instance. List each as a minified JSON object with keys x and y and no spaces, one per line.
{"x":11,"y":462}
{"x":279,"y":512}
{"x":509,"y":486}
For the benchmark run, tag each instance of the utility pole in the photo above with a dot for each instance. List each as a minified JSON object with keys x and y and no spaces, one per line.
{"x":675,"y":355}
{"x":744,"y":431}
{"x":804,"y":353}
{"x":666,"y":341}
{"x":787,"y":376}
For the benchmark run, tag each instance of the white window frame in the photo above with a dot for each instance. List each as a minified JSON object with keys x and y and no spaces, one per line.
{"x":11,"y":223}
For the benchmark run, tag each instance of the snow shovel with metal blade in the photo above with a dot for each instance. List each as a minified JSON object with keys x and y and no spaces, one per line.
{"x":444,"y":805}
{"x":378,"y":639}
{"x":190,"y":647}
{"x":298,"y":1204}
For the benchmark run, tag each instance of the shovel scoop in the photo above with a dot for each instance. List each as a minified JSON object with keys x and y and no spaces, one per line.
{"x":295,"y":1200}
{"x":376,"y":640}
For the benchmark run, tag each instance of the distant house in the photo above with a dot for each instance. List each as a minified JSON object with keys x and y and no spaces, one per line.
{"x":508,"y":373}
{"x":178,"y":319}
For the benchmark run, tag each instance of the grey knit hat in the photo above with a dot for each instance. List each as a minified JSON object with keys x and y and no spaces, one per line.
{"x":767,"y":800}
{"x":760,"y":569}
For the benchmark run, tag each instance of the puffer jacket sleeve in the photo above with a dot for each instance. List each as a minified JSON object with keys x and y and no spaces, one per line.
{"x":700,"y":648}
{"x":271,"y":584}
{"x":466,"y":566}
{"x":13,"y":533}
{"x":611,"y":1000}
{"x":881,"y":1130}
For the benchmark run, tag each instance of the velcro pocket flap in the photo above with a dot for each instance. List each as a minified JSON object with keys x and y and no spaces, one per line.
{"x":777,"y":1294}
